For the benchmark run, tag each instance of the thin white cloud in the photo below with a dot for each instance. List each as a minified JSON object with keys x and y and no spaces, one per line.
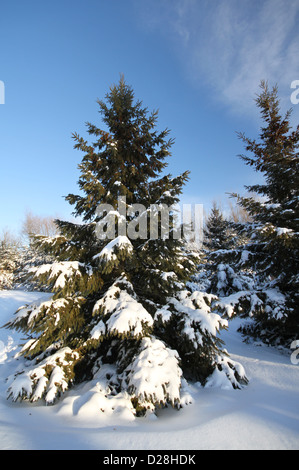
{"x":261,"y":48}
{"x":231,"y":45}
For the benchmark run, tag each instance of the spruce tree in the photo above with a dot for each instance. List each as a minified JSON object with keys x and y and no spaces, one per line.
{"x":273,"y":249}
{"x":217,"y":231}
{"x":9,"y":260}
{"x":121,"y":313}
{"x":221,"y":272}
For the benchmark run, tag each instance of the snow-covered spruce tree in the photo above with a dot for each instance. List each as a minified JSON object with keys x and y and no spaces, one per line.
{"x":228,"y":274}
{"x":29,"y":258}
{"x":217,"y":234}
{"x":273,"y":249}
{"x":215,"y":237}
{"x":223,"y":270}
{"x":219,"y":239}
{"x":120,"y":303}
{"x":9,"y":260}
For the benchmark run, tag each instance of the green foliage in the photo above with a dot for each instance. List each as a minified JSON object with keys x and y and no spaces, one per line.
{"x":9,"y":260}
{"x":275,"y":248}
{"x":258,"y":274}
{"x":217,"y":231}
{"x":108,"y":292}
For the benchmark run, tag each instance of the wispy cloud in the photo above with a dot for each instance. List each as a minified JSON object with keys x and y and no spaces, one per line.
{"x":231,"y":45}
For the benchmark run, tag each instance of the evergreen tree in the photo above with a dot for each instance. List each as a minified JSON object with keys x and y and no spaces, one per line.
{"x":9,"y":260}
{"x":217,"y":230}
{"x":273,"y":248}
{"x":29,"y":258}
{"x":121,"y":313}
{"x":221,"y":271}
{"x":30,"y":255}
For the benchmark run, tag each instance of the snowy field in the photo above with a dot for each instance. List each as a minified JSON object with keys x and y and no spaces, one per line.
{"x":263,"y":415}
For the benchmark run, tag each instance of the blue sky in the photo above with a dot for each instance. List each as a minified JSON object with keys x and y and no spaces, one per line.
{"x":199,"y":62}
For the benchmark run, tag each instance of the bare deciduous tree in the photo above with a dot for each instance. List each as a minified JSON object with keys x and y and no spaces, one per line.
{"x":238,"y":214}
{"x":38,"y":225}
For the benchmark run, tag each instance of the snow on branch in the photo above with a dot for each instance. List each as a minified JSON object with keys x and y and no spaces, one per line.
{"x":58,"y":272}
{"x":154,"y":377}
{"x":49,"y":379}
{"x":108,"y":253}
{"x":124,"y":314}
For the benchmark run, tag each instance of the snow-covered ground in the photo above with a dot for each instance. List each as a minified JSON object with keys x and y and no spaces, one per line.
{"x":263,"y":415}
